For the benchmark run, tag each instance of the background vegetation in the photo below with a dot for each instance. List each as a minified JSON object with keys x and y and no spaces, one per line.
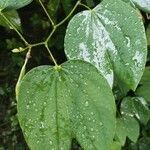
{"x":36,"y":27}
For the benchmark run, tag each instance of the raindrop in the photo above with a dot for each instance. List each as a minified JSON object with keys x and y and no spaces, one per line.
{"x":37,"y":141}
{"x":85,"y":83}
{"x":101,"y":124}
{"x":81,"y":75}
{"x":86,"y":103}
{"x":84,"y":91}
{"x":92,"y":129}
{"x":83,"y":135}
{"x":42,"y":125}
{"x":59,"y":78}
{"x":27,"y":106}
{"x":92,"y":113}
{"x":50,"y":142}
{"x":71,"y":66}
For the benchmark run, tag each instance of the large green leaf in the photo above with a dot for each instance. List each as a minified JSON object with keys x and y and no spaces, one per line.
{"x":127,"y":126}
{"x":13,"y":17}
{"x":135,"y":106}
{"x":13,"y":4}
{"x":143,"y":5}
{"x":58,"y":104}
{"x":112,"y":37}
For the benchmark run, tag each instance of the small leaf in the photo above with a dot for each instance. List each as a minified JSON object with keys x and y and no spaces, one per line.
{"x":102,"y":37}
{"x":143,"y":5}
{"x":56,"y":105}
{"x":143,"y":90}
{"x":13,"y":17}
{"x":127,"y":127}
{"x":13,"y":4}
{"x":137,"y":107}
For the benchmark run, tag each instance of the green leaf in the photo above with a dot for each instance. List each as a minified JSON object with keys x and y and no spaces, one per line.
{"x":148,"y":35}
{"x":143,"y":5}
{"x":67,"y":6}
{"x":58,"y":104}
{"x":12,"y":17}
{"x":13,"y":4}
{"x":53,"y":7}
{"x":90,"y":3}
{"x":116,"y":146}
{"x":143,"y":90}
{"x":144,"y":143}
{"x":102,"y":37}
{"x":135,"y":106}
{"x":127,"y":126}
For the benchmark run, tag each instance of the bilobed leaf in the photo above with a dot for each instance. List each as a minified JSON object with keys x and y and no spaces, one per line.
{"x":102,"y":37}
{"x":13,"y":4}
{"x":143,"y":5}
{"x":136,"y":106}
{"x":58,"y":104}
{"x":13,"y":17}
{"x":127,"y":126}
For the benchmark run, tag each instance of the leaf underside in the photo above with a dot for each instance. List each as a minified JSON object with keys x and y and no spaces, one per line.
{"x":75,"y":101}
{"x":103,"y":37}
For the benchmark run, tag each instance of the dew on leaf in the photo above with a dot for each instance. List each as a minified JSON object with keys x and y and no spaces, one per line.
{"x":27,"y":106}
{"x":50,"y":142}
{"x":137,"y":115}
{"x":85,"y":127}
{"x":127,"y":41}
{"x":86,"y":103}
{"x":92,"y":129}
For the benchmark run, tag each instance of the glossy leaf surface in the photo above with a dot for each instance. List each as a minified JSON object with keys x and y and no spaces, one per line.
{"x":74,"y":101}
{"x":13,"y":4}
{"x":102,"y":37}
